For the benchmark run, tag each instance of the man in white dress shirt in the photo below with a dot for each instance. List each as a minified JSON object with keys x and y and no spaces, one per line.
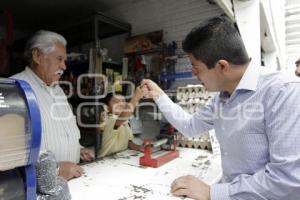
{"x":46,"y":53}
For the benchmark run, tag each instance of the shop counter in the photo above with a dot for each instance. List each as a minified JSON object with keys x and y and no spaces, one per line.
{"x":120,"y":177}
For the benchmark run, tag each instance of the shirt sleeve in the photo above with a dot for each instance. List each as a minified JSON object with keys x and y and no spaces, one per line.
{"x":109,"y":125}
{"x":130,"y":134}
{"x":280,"y":178}
{"x":187,"y":124}
{"x":108,"y":134}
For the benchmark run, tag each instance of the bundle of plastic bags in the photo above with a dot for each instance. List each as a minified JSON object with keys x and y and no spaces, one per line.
{"x":50,"y":186}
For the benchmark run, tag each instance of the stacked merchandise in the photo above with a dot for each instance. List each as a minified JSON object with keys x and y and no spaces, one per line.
{"x":183,"y":65}
{"x":191,"y":98}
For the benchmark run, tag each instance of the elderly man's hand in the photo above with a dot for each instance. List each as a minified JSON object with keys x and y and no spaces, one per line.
{"x":151,"y":89}
{"x":69,"y":170}
{"x":191,"y":187}
{"x":87,"y":154}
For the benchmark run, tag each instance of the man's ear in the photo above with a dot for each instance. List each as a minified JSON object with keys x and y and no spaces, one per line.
{"x":36,"y":56}
{"x":223,"y":66}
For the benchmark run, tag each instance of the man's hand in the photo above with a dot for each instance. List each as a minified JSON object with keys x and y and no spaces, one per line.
{"x":69,"y":170}
{"x":151,"y":89}
{"x":87,"y":154}
{"x":191,"y":187}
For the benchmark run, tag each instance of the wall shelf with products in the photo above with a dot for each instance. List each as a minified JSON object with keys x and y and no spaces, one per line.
{"x":145,"y":56}
{"x":176,"y":76}
{"x":144,"y":52}
{"x":176,"y":66}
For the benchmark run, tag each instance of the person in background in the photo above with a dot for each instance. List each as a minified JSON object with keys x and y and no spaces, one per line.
{"x":46,"y":53}
{"x":255,"y":117}
{"x":117,"y":134}
{"x":297,"y":71}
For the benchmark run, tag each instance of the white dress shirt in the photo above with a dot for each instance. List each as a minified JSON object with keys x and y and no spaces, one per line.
{"x":60,"y":133}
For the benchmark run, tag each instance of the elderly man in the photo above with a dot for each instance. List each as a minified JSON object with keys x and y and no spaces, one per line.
{"x":297,"y":71}
{"x":46,"y":53}
{"x":255,"y":118}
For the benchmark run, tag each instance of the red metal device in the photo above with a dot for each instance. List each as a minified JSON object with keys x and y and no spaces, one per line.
{"x":149,"y":160}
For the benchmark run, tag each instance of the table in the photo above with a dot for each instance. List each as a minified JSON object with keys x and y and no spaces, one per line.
{"x":119,"y":177}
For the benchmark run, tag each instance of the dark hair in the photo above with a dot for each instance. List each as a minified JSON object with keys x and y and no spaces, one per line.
{"x":215,"y":39}
{"x":109,"y":96}
{"x":297,"y":62}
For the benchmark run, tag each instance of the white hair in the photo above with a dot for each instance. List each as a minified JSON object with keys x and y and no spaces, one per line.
{"x":45,"y":41}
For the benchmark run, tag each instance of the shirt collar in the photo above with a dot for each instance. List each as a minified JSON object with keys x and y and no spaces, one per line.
{"x":40,"y":82}
{"x":34,"y":76}
{"x":249,"y":80}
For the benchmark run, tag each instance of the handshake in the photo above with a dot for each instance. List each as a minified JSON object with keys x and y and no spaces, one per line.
{"x":148,"y":89}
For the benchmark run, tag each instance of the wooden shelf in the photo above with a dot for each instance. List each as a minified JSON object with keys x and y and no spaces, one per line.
{"x":176,"y":76}
{"x":158,"y":50}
